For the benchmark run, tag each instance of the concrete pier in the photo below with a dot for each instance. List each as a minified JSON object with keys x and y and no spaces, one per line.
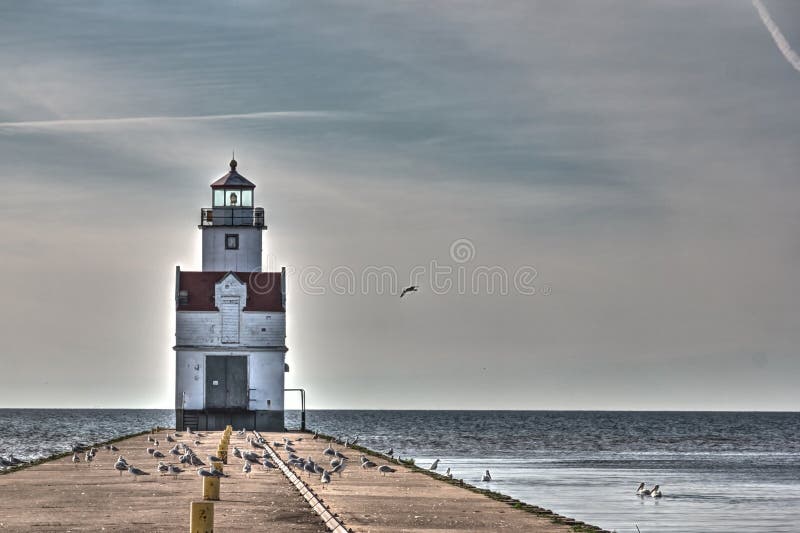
{"x":60,"y":496}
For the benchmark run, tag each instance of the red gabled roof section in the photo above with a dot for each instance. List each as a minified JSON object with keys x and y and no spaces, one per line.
{"x":263,"y":290}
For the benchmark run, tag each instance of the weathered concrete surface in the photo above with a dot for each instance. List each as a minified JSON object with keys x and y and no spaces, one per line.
{"x":407,"y":501}
{"x":58,"y":496}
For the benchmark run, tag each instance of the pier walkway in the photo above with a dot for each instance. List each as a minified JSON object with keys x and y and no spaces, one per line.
{"x":59,"y":496}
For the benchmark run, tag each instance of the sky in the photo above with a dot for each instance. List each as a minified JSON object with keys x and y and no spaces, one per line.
{"x":630,"y":167}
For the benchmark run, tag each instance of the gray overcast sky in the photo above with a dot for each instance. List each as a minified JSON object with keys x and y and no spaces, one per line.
{"x":642,"y":156}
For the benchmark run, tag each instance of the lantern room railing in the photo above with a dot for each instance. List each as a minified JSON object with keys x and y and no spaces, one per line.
{"x":232,"y":216}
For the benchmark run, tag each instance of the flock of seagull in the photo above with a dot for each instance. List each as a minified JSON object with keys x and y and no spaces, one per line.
{"x":183,"y":457}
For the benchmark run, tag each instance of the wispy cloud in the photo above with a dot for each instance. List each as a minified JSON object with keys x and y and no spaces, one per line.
{"x":70,"y":123}
{"x":780,"y":41}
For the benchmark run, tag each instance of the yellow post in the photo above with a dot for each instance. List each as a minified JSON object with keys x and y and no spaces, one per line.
{"x":211,"y":488}
{"x":223,"y":454}
{"x":202,"y":517}
{"x":217,"y":465}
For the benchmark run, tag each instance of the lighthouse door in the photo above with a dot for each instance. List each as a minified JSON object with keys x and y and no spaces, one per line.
{"x":226,"y":382}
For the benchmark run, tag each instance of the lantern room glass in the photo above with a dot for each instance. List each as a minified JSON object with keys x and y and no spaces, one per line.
{"x":233,"y":198}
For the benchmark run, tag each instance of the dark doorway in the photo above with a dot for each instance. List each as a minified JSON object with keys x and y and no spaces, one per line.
{"x":226,"y":382}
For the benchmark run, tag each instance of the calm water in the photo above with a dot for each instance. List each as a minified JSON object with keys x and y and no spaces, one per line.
{"x":720,"y":472}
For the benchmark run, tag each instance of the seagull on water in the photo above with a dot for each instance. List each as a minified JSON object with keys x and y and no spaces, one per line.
{"x":641,"y":491}
{"x":486,"y":476}
{"x":413,"y":288}
{"x":656,"y":492}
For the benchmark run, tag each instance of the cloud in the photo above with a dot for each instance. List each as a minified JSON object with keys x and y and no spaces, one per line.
{"x":780,"y":41}
{"x":153,"y":120}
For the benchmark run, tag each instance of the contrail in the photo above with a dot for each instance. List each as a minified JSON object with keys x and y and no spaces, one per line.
{"x":166,"y":118}
{"x":783,"y":45}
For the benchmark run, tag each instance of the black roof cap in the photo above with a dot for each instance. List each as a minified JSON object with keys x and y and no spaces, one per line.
{"x":233,"y":179}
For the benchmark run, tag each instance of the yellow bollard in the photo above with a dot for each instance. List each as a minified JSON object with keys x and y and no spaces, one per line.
{"x":223,"y":454}
{"x":217,"y":465}
{"x":202,"y":517}
{"x":211,"y":488}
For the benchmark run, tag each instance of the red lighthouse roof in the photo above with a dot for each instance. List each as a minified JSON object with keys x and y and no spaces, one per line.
{"x":264,"y":290}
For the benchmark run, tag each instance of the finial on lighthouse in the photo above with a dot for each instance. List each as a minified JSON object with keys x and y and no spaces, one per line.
{"x":233,"y":160}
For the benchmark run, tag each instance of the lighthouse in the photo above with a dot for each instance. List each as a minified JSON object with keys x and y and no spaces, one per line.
{"x":230,"y":320}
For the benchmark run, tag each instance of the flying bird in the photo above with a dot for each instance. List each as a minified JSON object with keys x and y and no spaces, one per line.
{"x":413,"y":288}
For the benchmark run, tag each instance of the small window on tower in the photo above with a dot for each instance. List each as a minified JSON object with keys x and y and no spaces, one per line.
{"x":232,"y":241}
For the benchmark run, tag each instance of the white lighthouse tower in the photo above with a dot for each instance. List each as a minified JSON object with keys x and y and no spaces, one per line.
{"x":230,"y":325}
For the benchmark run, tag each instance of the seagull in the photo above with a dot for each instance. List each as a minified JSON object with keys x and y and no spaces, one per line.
{"x":150,"y":451}
{"x":137,"y":472}
{"x":247,"y":468}
{"x":121,"y":465}
{"x":89,"y":457}
{"x":368,"y":464}
{"x":448,"y":474}
{"x":338,"y":468}
{"x":413,"y":288}
{"x":486,"y":476}
{"x":269,"y":465}
{"x":217,"y":473}
{"x":253,"y":458}
{"x":170,"y":439}
{"x":237,"y":452}
{"x":161,"y":467}
{"x":174,"y":471}
{"x":75,"y":458}
{"x":158,"y":455}
{"x":390,"y":453}
{"x":434,"y":465}
{"x":214,"y":459}
{"x":641,"y":491}
{"x":114,"y":448}
{"x":656,"y":492}
{"x":328,"y":451}
{"x":325,"y":479}
{"x":383,"y":469}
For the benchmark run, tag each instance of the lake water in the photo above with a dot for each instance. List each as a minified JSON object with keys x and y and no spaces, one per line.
{"x":719,"y":472}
